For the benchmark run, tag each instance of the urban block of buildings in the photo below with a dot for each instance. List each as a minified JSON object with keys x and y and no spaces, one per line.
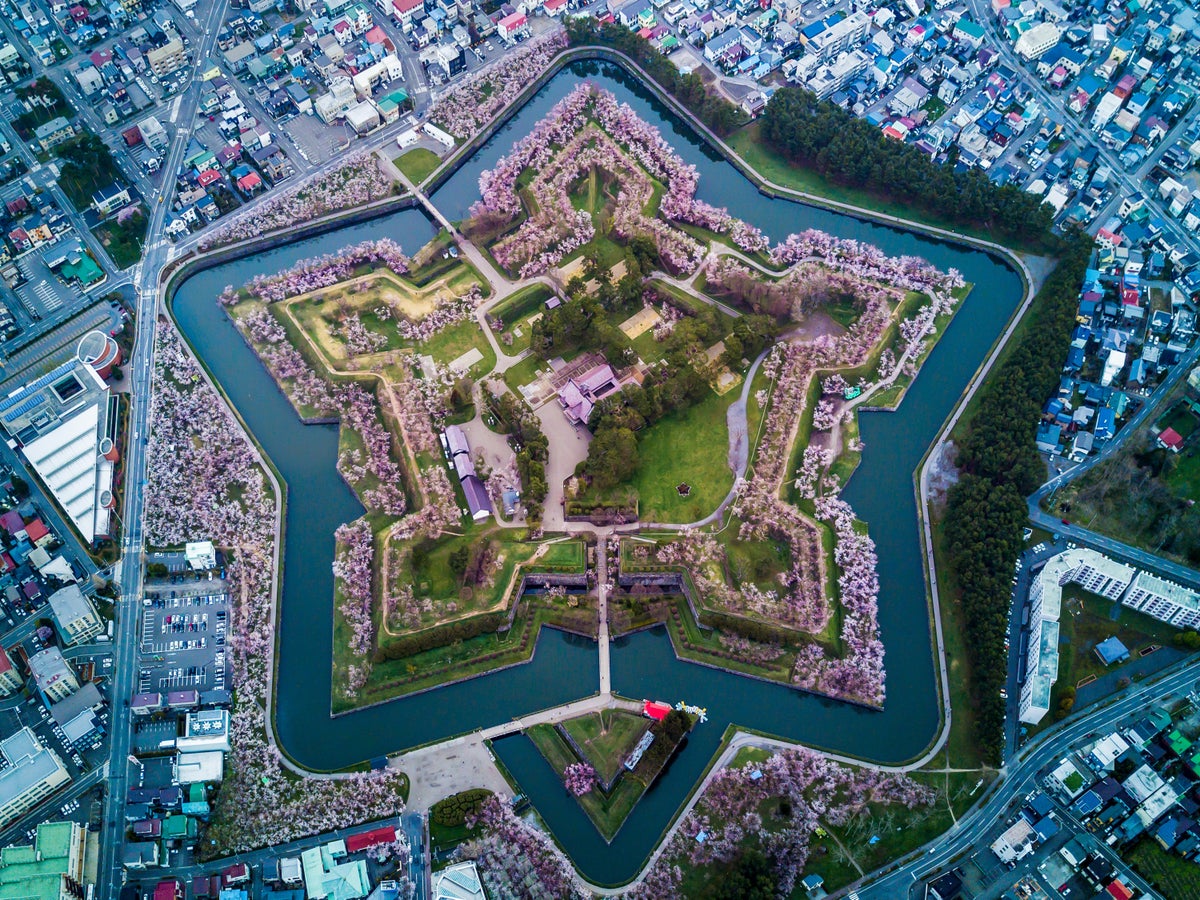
{"x":1097,"y":574}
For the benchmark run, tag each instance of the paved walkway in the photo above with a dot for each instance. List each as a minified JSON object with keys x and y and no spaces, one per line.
{"x":602,"y":604}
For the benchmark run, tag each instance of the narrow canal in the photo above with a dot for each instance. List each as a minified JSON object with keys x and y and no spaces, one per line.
{"x":564,"y":668}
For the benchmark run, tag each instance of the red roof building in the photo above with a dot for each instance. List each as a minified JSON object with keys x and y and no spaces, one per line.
{"x":1171,"y":439}
{"x":656,"y":709}
{"x":377,"y":36}
{"x":1118,"y":890}
{"x":208,"y":177}
{"x":12,"y":522}
{"x":167,"y":890}
{"x":356,"y":843}
{"x":404,"y":9}
{"x":36,"y":531}
{"x":132,"y":136}
{"x":249,"y":182}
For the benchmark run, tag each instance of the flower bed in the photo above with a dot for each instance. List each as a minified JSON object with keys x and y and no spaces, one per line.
{"x":203,"y":478}
{"x":359,"y":180}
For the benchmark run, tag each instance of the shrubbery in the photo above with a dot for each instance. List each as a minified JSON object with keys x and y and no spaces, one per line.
{"x":441,"y":636}
{"x":455,"y":809}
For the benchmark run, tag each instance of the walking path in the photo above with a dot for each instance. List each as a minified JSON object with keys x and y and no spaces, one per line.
{"x":602,"y":602}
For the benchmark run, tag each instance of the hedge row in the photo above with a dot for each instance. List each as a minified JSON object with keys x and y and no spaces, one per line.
{"x":454,"y":810}
{"x":441,"y":636}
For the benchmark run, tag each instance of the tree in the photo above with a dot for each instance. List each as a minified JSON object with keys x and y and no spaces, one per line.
{"x":612,"y":457}
{"x":20,"y":487}
{"x":751,"y":878}
{"x":849,"y":150}
{"x":1000,"y":465}
{"x":459,"y":559}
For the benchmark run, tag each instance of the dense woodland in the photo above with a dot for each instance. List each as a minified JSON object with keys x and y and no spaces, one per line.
{"x":713,"y":110}
{"x":822,"y":136}
{"x":999,"y":467}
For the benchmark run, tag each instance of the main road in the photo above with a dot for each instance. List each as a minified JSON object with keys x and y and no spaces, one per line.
{"x":1017,"y":778}
{"x":129,"y":571}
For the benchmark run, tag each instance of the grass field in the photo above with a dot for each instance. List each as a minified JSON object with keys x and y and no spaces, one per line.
{"x":433,"y":575}
{"x":418,"y":164}
{"x":606,"y":812}
{"x":123,"y":240}
{"x":1087,"y":620}
{"x":607,"y":737}
{"x":690,"y":447}
{"x":562,"y":556}
{"x":515,"y":312}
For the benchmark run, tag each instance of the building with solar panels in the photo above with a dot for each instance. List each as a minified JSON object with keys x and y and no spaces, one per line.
{"x":65,"y":425}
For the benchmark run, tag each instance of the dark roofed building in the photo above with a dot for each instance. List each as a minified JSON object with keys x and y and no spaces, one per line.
{"x":477,"y":498}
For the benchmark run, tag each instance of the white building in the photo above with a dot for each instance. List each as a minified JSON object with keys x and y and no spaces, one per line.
{"x":839,"y":36}
{"x":1164,"y":600}
{"x":53,"y":675}
{"x":65,"y":423}
{"x":1037,"y":40}
{"x":1092,"y":571}
{"x":205,"y":730}
{"x":458,"y":882}
{"x":199,"y":768}
{"x":200,"y":555}
{"x":76,"y":617}
{"x":1016,"y":843}
{"x":33,"y":773}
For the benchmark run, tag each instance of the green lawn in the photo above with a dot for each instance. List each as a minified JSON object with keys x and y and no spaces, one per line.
{"x":522,"y":303}
{"x":562,"y":555}
{"x":523,"y":373}
{"x":607,"y":738}
{"x":1087,"y":620}
{"x":606,"y":812}
{"x":451,"y":343}
{"x":515,"y":312}
{"x":690,"y":447}
{"x":418,"y":163}
{"x":433,"y":574}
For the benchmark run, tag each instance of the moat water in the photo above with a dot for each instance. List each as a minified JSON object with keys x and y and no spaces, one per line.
{"x":643,"y":666}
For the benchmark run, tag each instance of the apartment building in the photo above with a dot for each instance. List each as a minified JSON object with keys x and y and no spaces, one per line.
{"x":1164,"y":600}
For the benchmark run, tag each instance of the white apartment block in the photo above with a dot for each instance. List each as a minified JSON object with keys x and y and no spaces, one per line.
{"x":1037,"y":40}
{"x":1092,"y":571}
{"x":839,"y":36}
{"x":1164,"y":600}
{"x":33,"y":773}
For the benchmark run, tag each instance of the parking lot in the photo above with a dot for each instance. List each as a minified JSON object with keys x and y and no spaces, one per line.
{"x":184,"y":628}
{"x":43,"y":294}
